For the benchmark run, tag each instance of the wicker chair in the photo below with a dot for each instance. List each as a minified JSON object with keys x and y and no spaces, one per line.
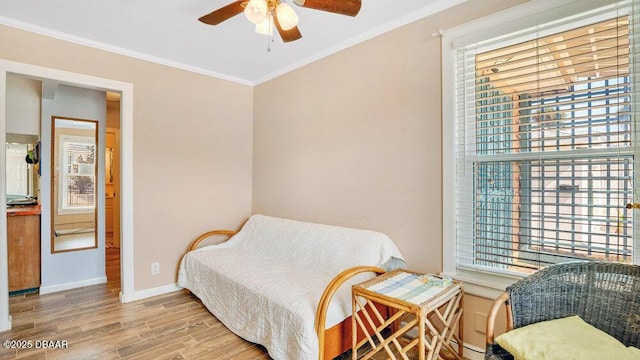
{"x":604,"y":294}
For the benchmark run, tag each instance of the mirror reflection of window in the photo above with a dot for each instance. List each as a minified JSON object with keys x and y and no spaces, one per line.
{"x":74,"y":184}
{"x":77,"y":192}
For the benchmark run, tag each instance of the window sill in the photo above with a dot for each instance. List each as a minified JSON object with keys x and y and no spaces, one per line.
{"x":483,"y":284}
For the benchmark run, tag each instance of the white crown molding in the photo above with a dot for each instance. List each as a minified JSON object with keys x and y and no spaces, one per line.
{"x":118,"y":50}
{"x":433,"y":8}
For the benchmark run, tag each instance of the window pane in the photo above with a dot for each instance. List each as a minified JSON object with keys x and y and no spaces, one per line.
{"x":17,"y":169}
{"x":78,"y":191}
{"x":534,"y":213}
{"x":581,"y":204}
{"x":566,"y":91}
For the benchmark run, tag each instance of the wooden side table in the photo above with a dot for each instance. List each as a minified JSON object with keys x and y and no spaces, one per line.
{"x":428,"y":303}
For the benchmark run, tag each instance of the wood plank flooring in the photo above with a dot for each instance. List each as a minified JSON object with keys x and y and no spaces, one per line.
{"x":96,"y":325}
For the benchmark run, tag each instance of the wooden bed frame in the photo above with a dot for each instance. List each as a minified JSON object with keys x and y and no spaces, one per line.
{"x":337,"y":339}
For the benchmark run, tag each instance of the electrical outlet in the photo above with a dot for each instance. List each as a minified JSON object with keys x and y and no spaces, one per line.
{"x":155,"y":268}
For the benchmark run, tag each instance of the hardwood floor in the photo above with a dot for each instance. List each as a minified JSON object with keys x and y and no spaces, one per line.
{"x":96,"y":325}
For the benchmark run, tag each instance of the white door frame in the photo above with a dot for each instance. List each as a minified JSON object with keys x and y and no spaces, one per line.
{"x":126,"y":169}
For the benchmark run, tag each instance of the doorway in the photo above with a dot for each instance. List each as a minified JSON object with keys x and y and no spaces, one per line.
{"x":112,"y":171}
{"x":126,"y":169}
{"x":112,"y":190}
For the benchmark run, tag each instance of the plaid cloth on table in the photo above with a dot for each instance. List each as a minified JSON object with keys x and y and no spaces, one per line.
{"x":410,"y":287}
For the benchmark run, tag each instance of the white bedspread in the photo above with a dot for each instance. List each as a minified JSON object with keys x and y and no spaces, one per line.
{"x":265,"y":282}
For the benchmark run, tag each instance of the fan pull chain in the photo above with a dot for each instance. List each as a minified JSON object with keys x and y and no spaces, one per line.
{"x":270,"y":37}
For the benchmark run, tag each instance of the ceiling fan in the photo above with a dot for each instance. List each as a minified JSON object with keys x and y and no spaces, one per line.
{"x":269,"y":13}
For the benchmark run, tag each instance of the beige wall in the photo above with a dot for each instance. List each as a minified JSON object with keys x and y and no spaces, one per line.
{"x":357,"y":143}
{"x":192,"y":146}
{"x":355,"y":139}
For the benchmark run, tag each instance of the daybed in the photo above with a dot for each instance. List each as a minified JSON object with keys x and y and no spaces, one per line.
{"x":273,"y":282}
{"x":602,"y":294}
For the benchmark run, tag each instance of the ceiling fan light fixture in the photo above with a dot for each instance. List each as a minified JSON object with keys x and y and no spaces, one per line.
{"x":265,"y":27}
{"x":287,"y":18}
{"x":256,"y":11}
{"x":281,"y":15}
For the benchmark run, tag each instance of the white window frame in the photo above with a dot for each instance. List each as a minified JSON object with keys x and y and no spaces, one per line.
{"x":512,"y":21}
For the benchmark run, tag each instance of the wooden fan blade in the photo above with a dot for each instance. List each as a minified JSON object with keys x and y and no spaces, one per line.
{"x":344,"y":7}
{"x":287,"y":35}
{"x":222,"y":14}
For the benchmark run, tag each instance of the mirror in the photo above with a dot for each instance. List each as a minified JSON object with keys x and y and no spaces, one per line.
{"x":73,"y":184}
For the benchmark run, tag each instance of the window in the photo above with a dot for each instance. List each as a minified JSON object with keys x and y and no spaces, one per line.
{"x":77,"y":174}
{"x":17,"y":176}
{"x":544,"y":146}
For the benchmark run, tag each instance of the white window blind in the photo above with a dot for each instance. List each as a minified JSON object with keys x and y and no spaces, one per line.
{"x":546,"y":145}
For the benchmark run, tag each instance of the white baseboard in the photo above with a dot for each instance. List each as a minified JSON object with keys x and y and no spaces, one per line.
{"x":473,"y":352}
{"x":72,"y":285}
{"x":6,"y":325}
{"x":147,"y":293}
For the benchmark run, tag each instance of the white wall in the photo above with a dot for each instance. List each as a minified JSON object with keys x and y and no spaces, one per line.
{"x":76,"y":268}
{"x":23,"y":105}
